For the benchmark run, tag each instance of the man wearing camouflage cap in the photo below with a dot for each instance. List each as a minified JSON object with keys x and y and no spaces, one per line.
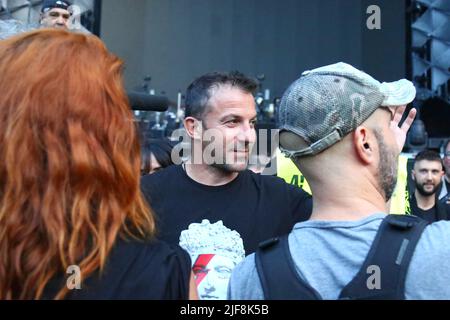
{"x":342,"y":129}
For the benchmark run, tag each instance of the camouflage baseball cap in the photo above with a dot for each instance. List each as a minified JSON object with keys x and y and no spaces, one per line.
{"x":326,"y":104}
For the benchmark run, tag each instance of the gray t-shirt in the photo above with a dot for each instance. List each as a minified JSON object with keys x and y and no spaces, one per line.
{"x":328,"y":255}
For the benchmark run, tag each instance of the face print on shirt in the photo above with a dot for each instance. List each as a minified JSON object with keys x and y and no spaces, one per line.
{"x":215,"y":250}
{"x":212,"y":273}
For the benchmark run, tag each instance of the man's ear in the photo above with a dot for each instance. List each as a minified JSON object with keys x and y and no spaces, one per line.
{"x":413,"y":175}
{"x":193,"y":127}
{"x":364,"y":144}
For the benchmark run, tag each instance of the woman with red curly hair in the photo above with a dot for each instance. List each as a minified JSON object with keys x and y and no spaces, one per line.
{"x":73,"y":222}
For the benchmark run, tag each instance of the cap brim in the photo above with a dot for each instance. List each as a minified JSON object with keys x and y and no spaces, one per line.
{"x":398,"y":93}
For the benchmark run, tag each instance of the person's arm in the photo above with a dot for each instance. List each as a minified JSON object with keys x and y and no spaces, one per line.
{"x":428,"y":277}
{"x":193,"y":294}
{"x":300,"y":203}
{"x":244,"y":282}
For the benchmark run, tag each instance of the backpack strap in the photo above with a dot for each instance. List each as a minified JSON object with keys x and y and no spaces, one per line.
{"x":383,"y":274}
{"x":278,"y":275}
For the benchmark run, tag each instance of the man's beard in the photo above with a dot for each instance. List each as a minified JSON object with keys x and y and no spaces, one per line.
{"x":420,"y":188}
{"x":235,"y":166}
{"x":387,"y":167}
{"x":229,"y":165}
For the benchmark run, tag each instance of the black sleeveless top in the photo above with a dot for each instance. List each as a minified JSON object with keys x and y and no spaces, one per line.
{"x":134,"y":270}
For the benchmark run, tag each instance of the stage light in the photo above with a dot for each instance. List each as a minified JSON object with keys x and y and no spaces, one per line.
{"x":430,"y":46}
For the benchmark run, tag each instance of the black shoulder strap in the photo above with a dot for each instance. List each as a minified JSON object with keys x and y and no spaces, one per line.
{"x":277,"y":273}
{"x":383,"y":273}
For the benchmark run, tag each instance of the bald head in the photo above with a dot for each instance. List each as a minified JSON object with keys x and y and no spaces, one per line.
{"x":368,"y":154}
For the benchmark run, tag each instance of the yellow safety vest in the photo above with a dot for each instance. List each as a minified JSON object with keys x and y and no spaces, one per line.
{"x":288,"y":171}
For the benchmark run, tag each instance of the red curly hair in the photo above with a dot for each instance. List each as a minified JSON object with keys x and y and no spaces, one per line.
{"x":69,"y":160}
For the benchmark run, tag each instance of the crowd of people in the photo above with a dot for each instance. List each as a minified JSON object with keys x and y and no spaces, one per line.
{"x":80,"y":190}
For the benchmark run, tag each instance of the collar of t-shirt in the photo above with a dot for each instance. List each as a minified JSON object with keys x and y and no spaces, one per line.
{"x":324,"y":224}
{"x":229,"y":185}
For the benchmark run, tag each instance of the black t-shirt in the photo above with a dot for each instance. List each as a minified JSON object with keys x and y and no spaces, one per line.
{"x":429,"y":215}
{"x":135,"y":270}
{"x":258,"y":207}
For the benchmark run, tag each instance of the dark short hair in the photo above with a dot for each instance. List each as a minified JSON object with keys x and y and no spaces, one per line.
{"x":161,"y":149}
{"x":445,"y":144}
{"x":429,"y":155}
{"x":199,"y":92}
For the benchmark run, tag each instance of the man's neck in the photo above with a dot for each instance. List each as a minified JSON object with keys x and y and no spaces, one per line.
{"x":424,"y":202}
{"x":208,"y":175}
{"x":349,"y":202}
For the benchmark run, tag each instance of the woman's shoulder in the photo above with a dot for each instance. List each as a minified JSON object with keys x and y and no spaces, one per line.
{"x":151,"y":270}
{"x":148,"y":252}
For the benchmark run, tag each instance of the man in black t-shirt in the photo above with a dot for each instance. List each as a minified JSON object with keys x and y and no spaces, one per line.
{"x":427,"y":175}
{"x":214,"y":184}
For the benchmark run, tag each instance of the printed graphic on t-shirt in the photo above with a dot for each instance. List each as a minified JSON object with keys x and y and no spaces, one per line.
{"x":215,"y":250}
